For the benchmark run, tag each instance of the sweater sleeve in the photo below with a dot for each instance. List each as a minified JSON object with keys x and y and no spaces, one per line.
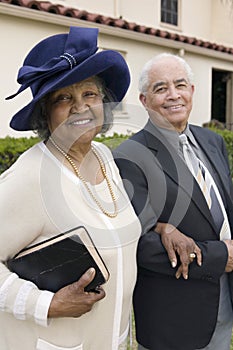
{"x":22,"y":218}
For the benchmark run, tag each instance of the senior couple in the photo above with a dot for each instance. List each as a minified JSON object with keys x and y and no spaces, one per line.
{"x":143,"y":204}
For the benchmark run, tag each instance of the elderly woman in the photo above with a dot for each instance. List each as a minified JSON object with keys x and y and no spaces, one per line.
{"x":64,"y":181}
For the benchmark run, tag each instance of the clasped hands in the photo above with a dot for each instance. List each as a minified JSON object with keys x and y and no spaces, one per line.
{"x":175,"y":242}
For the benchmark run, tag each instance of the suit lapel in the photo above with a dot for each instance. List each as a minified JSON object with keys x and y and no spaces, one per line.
{"x":174,"y":167}
{"x":211,"y":153}
{"x":217,"y":164}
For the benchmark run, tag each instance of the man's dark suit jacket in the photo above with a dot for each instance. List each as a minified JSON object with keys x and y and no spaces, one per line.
{"x":175,"y":314}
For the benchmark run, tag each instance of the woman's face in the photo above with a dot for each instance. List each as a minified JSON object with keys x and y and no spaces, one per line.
{"x":76,"y":112}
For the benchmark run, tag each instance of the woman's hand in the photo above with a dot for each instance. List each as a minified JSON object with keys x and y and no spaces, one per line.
{"x":72,"y":300}
{"x":175,"y":242}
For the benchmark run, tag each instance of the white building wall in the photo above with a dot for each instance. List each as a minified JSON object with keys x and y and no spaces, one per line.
{"x":204,"y":19}
{"x":196,"y":18}
{"x":222,"y":22}
{"x":20,"y":38}
{"x":25,"y":28}
{"x":146,"y":12}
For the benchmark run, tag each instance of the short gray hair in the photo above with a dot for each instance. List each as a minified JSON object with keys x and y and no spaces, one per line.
{"x":39,"y":121}
{"x":144,"y":76}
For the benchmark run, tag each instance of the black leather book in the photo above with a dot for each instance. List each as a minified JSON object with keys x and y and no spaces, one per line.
{"x":59,"y":261}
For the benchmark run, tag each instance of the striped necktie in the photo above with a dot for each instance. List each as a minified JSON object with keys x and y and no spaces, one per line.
{"x":208,"y":187}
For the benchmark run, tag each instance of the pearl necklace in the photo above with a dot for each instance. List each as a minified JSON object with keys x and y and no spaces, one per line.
{"x":77,"y":172}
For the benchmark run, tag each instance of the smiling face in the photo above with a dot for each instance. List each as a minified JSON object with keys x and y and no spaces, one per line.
{"x":169,"y":93}
{"x":76,"y":112}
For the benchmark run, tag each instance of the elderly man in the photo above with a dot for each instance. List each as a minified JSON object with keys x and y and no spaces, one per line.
{"x":178,"y":178}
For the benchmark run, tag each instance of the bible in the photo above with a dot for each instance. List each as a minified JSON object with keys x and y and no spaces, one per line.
{"x":60,"y":260}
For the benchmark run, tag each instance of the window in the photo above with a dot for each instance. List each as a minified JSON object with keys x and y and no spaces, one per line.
{"x":222,"y":88}
{"x":169,"y":12}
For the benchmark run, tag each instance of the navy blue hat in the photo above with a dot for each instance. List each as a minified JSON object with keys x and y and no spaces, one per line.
{"x":65,"y":59}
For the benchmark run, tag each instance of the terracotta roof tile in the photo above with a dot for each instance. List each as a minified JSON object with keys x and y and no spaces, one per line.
{"x":191,"y":41}
{"x":151,"y":31}
{"x":131,"y":26}
{"x":47,"y":6}
{"x":173,"y":36}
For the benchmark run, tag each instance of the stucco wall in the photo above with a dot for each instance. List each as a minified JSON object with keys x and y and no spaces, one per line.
{"x":19,"y":34}
{"x":205,"y":19}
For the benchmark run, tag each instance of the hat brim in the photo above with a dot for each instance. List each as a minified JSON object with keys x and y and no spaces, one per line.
{"x":109,"y":65}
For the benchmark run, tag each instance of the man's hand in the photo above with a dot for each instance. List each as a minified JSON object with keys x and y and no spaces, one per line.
{"x":72,"y":300}
{"x":175,"y":242}
{"x":229,"y":265}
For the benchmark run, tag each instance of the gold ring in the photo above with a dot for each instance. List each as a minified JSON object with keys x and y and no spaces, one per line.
{"x":192,"y":255}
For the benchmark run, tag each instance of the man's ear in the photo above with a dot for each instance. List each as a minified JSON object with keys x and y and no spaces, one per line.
{"x":193,"y":89}
{"x":142,"y":98}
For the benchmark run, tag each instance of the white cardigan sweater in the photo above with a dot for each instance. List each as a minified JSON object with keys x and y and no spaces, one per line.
{"x":39,"y":198}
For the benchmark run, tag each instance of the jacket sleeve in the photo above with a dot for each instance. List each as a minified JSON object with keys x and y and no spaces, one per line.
{"x":151,"y":255}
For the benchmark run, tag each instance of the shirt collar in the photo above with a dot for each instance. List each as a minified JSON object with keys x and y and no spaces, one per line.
{"x":171,"y":136}
{"x":190,"y":136}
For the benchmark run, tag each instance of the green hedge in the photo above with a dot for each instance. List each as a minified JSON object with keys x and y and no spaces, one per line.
{"x":11,"y":148}
{"x":228,"y":138}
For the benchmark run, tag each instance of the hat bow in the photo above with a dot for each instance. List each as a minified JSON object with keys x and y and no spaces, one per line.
{"x":75,"y":52}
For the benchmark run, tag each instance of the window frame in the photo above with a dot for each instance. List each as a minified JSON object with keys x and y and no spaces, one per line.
{"x":169,"y":25}
{"x":222,"y":87}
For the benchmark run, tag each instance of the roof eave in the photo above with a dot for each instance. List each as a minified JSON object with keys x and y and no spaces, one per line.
{"x":53,"y":18}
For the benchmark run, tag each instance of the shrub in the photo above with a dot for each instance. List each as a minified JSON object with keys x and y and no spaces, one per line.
{"x":112,"y":141}
{"x":228,"y":138}
{"x":11,"y":148}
